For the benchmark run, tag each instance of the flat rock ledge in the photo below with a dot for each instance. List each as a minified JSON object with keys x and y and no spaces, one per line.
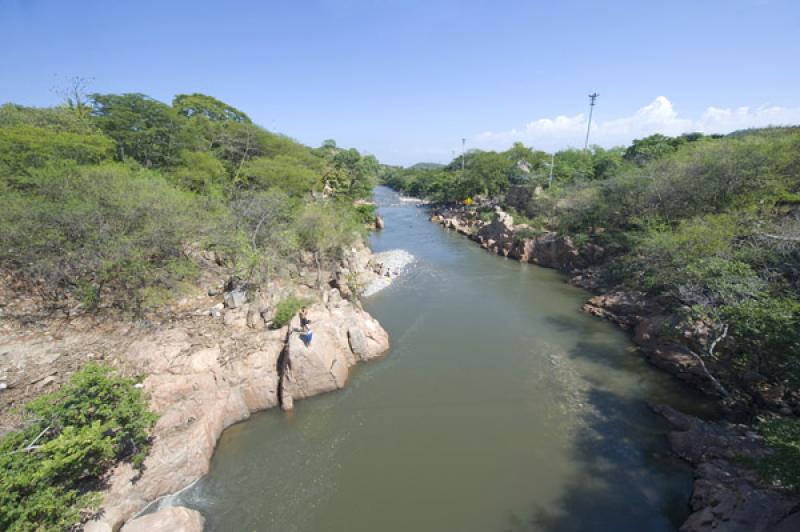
{"x":202,"y":380}
{"x":172,"y":519}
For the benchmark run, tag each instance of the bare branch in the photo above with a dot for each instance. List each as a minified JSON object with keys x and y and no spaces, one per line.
{"x":779,"y":237}
{"x":717,"y":340}
{"x":720,"y":388}
{"x":32,"y":445}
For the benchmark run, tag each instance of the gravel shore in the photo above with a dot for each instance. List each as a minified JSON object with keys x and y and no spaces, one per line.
{"x":393,"y":263}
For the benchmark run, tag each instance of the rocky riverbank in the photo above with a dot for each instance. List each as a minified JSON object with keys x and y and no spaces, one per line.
{"x":208,"y":361}
{"x":726,"y":496}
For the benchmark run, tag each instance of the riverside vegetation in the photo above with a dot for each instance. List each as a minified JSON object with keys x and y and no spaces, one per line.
{"x":102,"y":199}
{"x":706,"y":226}
{"x":53,"y":468}
{"x":108,"y":201}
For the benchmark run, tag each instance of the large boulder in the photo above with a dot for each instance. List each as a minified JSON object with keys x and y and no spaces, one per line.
{"x":342,"y":336}
{"x":171,"y":519}
{"x":498,"y":233}
{"x":235,"y":298}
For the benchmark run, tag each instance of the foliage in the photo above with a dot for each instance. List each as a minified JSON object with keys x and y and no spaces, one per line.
{"x":365,"y":213}
{"x":192,"y":105}
{"x":144,"y":129}
{"x":100,"y":226}
{"x":291,"y":175}
{"x":51,"y":469}
{"x":642,"y":151}
{"x":24,"y":147}
{"x":350,"y":175}
{"x":767,"y":333}
{"x":200,"y":172}
{"x":115,"y":233}
{"x":323,"y":229}
{"x":782,"y":467}
{"x":286,"y":310}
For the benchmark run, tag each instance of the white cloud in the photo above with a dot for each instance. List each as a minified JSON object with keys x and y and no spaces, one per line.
{"x":658,"y":116}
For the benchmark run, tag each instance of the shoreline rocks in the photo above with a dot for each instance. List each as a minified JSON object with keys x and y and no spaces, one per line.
{"x":726,"y":496}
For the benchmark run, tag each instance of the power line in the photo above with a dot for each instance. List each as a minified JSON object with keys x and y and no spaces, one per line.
{"x":592,"y":98}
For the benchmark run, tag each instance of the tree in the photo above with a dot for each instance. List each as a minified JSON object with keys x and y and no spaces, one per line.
{"x":351,"y":175}
{"x":606,"y":163}
{"x":144,"y":129}
{"x":573,"y":165}
{"x":196,"y":105}
{"x":283,"y":171}
{"x":487,"y":173}
{"x":649,"y":148}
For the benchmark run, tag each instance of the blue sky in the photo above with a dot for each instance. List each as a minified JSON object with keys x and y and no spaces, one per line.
{"x":406,"y":80}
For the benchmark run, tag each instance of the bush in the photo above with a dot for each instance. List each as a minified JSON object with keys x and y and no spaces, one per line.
{"x":99,"y":228}
{"x":365,"y":213}
{"x":767,"y":335}
{"x":782,"y":467}
{"x":286,"y":310}
{"x":23,"y":147}
{"x":52,"y":469}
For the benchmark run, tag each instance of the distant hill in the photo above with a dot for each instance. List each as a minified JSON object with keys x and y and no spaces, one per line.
{"x":765,"y":131}
{"x":426,"y":166}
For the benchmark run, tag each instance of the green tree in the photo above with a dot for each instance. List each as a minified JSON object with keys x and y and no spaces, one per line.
{"x":194,"y":105}
{"x":143,"y":128}
{"x":282,"y":171}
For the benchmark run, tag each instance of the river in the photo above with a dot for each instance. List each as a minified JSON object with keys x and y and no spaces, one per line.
{"x":500,"y":407}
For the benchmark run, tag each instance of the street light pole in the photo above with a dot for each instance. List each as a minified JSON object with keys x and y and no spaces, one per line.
{"x":592,"y":98}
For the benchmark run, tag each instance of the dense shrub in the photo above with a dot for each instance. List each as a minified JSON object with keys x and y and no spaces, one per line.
{"x":25,"y":147}
{"x":103,"y":226}
{"x":50,"y":470}
{"x":286,"y":310}
{"x":365,"y":213}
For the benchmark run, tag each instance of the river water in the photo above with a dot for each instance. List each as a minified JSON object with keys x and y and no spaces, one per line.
{"x":500,"y":407}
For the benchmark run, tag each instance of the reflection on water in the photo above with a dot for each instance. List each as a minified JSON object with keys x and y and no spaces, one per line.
{"x":501,"y":407}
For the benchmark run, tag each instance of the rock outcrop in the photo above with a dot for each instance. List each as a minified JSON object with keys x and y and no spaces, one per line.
{"x":342,"y":336}
{"x":202,"y":370}
{"x":519,"y":241}
{"x":201,"y":380}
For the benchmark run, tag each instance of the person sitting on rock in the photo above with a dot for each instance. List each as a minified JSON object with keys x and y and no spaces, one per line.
{"x":305,"y":334}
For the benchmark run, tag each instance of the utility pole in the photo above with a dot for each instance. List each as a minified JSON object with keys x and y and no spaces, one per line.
{"x":463,"y":143}
{"x":592,"y":97}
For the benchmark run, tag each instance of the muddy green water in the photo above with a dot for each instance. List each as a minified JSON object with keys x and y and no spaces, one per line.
{"x":501,"y":407}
